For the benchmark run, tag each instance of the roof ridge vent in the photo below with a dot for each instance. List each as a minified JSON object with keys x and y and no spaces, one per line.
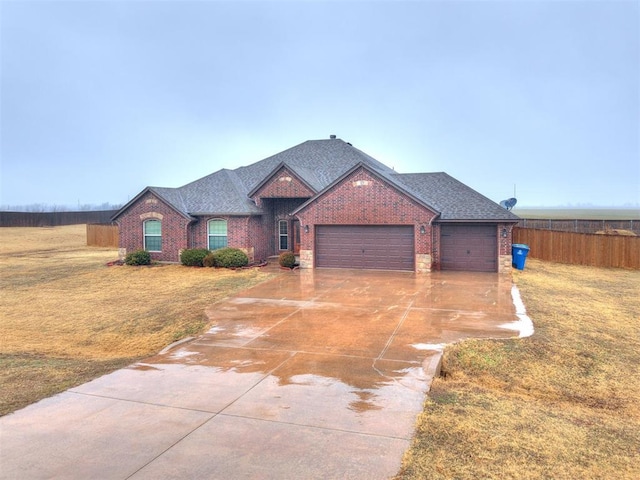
{"x":332,"y":137}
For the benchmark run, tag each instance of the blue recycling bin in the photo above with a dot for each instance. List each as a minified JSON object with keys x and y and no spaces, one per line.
{"x":519,"y":252}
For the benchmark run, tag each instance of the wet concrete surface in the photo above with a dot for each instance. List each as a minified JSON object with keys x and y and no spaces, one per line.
{"x":314,"y":374}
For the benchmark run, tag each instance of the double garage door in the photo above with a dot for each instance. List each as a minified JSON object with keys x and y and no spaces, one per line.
{"x":463,"y":247}
{"x":376,"y":247}
{"x":469,"y":247}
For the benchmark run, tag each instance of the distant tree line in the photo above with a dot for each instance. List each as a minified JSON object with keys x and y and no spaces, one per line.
{"x":45,"y":207}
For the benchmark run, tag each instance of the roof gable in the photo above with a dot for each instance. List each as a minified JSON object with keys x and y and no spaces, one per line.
{"x":283,"y":183}
{"x":165,"y":195}
{"x":384,"y":178}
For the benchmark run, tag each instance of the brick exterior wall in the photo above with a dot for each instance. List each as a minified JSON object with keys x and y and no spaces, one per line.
{"x":174,"y":228}
{"x":435,"y":246}
{"x":504,"y":247}
{"x":362,"y":198}
{"x":283,"y":184}
{"x":238,"y":233}
{"x":504,"y":243}
{"x":256,"y":235}
{"x":259,"y":238}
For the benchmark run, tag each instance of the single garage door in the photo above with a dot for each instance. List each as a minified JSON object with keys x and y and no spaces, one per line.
{"x":376,"y":247}
{"x":469,"y":248}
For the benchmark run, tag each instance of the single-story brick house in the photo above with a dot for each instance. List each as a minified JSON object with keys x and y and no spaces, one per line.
{"x":331,"y":204}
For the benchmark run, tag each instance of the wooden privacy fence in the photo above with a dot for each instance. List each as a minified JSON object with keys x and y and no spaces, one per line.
{"x":102,"y":235}
{"x":580,"y":248}
{"x":580,"y":226}
{"x":54,"y":219}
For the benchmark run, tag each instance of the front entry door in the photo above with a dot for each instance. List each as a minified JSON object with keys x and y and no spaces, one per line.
{"x":296,"y":236}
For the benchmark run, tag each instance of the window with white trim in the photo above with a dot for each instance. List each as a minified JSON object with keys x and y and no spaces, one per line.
{"x":217,"y":231}
{"x":152,"y":235}
{"x":283,"y":234}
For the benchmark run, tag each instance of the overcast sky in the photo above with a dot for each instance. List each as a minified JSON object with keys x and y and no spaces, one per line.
{"x":102,"y":98}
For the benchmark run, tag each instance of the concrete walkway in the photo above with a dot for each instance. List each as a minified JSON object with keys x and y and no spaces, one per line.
{"x":315,"y":374}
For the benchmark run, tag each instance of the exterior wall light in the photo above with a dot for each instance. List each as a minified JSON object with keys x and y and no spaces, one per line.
{"x":504,"y":232}
{"x":306,"y":229}
{"x":423,"y":230}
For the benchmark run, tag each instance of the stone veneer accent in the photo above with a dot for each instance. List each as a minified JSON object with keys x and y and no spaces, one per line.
{"x":504,"y":264}
{"x":306,"y":258}
{"x":423,"y":263}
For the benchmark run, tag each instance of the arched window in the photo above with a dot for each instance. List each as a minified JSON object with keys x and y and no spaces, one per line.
{"x":217,"y":229}
{"x":152,"y":235}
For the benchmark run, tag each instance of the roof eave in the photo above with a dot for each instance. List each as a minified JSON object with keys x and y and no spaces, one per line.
{"x":226,"y":214}
{"x":156,"y":193}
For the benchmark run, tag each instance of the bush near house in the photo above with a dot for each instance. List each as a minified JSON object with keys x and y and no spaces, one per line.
{"x":209,"y":260}
{"x":230,"y":258}
{"x":287,"y":260}
{"x":193,"y":257}
{"x":138,"y":257}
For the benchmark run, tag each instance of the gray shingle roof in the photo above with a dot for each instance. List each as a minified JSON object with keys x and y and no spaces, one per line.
{"x":325,"y":159}
{"x":220,"y":193}
{"x":452,"y":198}
{"x":171,"y":196}
{"x":320,"y":163}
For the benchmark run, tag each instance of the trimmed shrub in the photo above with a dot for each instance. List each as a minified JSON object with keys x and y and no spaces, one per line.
{"x":230,"y":257}
{"x":139,"y":257}
{"x":287,"y":259}
{"x":193,"y":257}
{"x":209,"y":260}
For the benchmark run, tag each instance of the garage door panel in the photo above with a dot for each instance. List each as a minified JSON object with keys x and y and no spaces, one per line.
{"x":469,"y":247}
{"x":379,"y":247}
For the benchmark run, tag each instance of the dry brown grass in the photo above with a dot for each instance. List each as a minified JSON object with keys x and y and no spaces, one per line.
{"x":67,"y":317}
{"x":562,"y":404}
{"x":616,"y":231}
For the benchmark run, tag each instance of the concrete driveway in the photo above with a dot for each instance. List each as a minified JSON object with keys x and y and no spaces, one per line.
{"x":315,"y":374}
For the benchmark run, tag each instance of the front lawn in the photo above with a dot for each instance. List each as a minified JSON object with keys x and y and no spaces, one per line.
{"x":68,"y":318}
{"x":562,"y":404}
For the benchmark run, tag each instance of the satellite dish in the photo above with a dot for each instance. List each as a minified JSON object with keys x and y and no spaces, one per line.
{"x":508,"y":203}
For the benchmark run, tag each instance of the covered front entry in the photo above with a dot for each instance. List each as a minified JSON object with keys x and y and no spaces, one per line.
{"x":468,"y":247}
{"x":376,"y":247}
